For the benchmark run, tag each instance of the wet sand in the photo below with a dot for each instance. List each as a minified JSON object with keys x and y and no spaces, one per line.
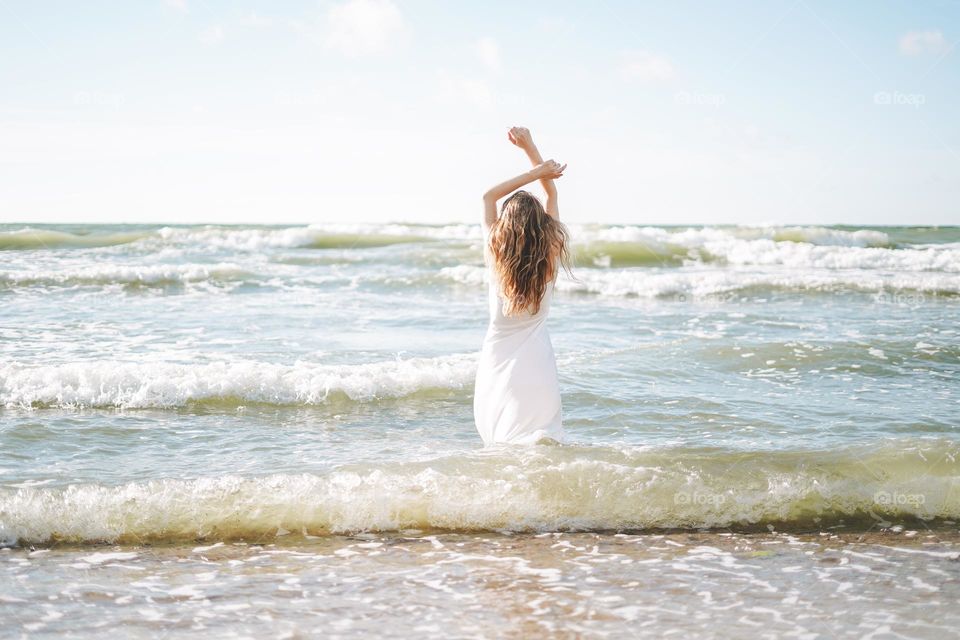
{"x":891,"y":583}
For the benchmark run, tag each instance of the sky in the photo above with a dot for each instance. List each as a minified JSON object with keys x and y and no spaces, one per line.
{"x":762,"y":112}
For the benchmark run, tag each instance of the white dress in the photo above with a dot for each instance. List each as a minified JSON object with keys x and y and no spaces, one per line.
{"x":517,"y":395}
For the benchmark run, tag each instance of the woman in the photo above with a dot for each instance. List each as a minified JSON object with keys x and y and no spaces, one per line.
{"x":517,"y":395}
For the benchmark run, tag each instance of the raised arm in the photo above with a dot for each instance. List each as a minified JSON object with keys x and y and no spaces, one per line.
{"x":548,"y":170}
{"x":522,"y":137}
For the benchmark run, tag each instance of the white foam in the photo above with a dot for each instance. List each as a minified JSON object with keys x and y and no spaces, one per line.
{"x":656,"y":238}
{"x":695,"y":237}
{"x":705,"y":282}
{"x":804,"y":255}
{"x":100,"y":558}
{"x":444,"y":232}
{"x":810,"y":247}
{"x":506,"y":488}
{"x":344,"y":234}
{"x":125,"y":274}
{"x":142,"y":385}
{"x":256,"y":238}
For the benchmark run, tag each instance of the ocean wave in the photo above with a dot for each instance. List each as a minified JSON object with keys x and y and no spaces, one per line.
{"x":318,"y":236}
{"x":31,"y":238}
{"x":793,"y":254}
{"x":666,"y":241}
{"x":144,"y":275}
{"x":164,"y":385}
{"x":820,"y":248}
{"x":328,"y":236}
{"x":700,"y":261}
{"x":693,"y":282}
{"x":690,"y":280}
{"x":634,"y":246}
{"x":691,"y":237}
{"x":539,"y":488}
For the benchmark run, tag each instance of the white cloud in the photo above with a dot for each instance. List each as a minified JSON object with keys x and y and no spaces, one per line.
{"x":212,"y":35}
{"x":646,"y":66}
{"x":915,"y":43}
{"x":489,"y":53}
{"x":555,"y":25}
{"x":254,"y":20}
{"x":455,"y":89}
{"x":215,"y":34}
{"x":179,"y":5}
{"x":364,"y":27}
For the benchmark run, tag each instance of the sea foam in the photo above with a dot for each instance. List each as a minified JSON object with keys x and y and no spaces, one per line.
{"x":162,"y":385}
{"x":539,"y":488}
{"x":334,"y":235}
{"x":126,"y":274}
{"x":697,"y":281}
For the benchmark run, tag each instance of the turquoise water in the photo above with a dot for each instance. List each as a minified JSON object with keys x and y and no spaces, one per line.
{"x":282,"y":386}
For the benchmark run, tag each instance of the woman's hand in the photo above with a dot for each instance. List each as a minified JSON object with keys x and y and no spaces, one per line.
{"x":521,"y":137}
{"x":549,"y":170}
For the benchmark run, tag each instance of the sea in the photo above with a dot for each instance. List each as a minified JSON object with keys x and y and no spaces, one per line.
{"x":267,"y":431}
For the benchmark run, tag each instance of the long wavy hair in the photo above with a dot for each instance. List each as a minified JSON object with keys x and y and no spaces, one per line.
{"x":527,"y":245}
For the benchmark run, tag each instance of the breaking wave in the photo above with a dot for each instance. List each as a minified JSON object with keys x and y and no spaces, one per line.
{"x":611,"y":238}
{"x":164,"y":385}
{"x":140,"y":275}
{"x":679,"y":261}
{"x":321,"y":236}
{"x":705,"y":283}
{"x":539,"y":488}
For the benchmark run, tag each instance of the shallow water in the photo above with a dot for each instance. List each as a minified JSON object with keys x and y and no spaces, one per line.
{"x":565,"y":585}
{"x":187,"y":386}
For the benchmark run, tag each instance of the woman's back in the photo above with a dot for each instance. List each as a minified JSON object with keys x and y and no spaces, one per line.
{"x":506,"y":323}
{"x":517,"y":393}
